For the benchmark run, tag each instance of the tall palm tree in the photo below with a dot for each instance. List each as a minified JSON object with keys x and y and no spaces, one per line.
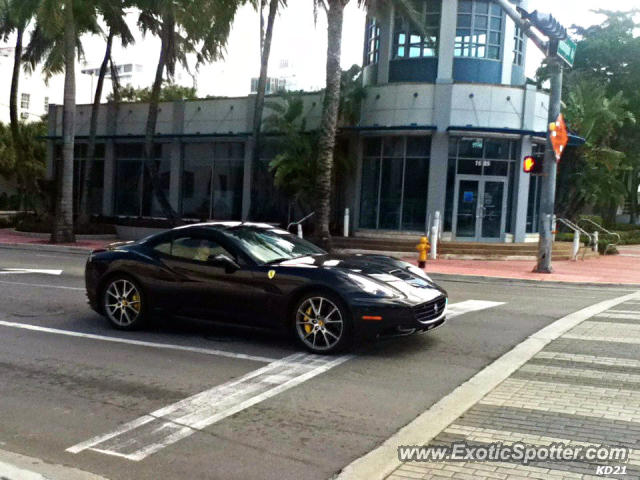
{"x":15,"y":16}
{"x":266,"y":36}
{"x":55,"y":44}
{"x":329,"y":123}
{"x":113,"y":14}
{"x":185,"y":27}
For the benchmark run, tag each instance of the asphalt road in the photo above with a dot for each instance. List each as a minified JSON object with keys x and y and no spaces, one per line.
{"x":58,"y":391}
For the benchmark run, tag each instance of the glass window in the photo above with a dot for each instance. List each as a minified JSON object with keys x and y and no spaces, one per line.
{"x":518,"y":51}
{"x":25,"y":101}
{"x":479,"y":29}
{"x":395,"y":183}
{"x":265,"y":246}
{"x":134,"y":195}
{"x":372,"y":41}
{"x":164,"y":248}
{"x":213,"y":180}
{"x":196,"y":249}
{"x":407,"y":43}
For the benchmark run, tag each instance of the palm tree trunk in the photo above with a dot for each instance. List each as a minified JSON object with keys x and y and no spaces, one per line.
{"x":150,"y":166}
{"x":83,"y":218}
{"x":63,"y":223}
{"x":265,"y":51}
{"x":15,"y":86}
{"x":328,"y":126}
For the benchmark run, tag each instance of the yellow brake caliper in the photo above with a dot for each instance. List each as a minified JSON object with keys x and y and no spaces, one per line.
{"x":307,"y":325}
{"x":135,"y":302}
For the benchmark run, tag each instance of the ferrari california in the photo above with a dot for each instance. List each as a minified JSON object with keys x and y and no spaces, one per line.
{"x":258,"y":275}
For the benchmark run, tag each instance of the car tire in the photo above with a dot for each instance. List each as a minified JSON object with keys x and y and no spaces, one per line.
{"x":322,"y":323}
{"x":123,"y":303}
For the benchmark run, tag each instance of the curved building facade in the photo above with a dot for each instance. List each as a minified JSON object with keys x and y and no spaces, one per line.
{"x":447,"y":119}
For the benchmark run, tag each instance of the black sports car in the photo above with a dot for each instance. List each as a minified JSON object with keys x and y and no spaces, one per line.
{"x":262,"y":276}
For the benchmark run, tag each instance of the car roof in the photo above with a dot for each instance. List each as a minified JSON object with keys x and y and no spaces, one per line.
{"x":226,"y":225}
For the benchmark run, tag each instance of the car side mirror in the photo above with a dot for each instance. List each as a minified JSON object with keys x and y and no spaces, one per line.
{"x":223,"y":261}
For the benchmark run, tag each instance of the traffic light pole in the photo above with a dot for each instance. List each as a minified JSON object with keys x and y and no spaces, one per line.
{"x":548,"y":194}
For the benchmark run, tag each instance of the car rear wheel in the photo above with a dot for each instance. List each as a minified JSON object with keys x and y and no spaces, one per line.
{"x":322,"y":323}
{"x":123,"y":303}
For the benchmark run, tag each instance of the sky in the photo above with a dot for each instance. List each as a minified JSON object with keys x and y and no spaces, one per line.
{"x":301,"y":42}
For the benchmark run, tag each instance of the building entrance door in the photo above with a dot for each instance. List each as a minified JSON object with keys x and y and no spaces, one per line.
{"x":479,"y":213}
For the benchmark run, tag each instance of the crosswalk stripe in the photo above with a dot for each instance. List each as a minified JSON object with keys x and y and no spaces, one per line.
{"x":151,"y":433}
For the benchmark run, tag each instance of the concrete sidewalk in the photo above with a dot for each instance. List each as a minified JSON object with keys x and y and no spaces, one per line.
{"x":576,"y":382}
{"x":609,"y":269}
{"x":10,"y":238}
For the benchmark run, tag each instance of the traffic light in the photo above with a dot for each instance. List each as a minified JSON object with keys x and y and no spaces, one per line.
{"x":533,"y":164}
{"x":545,"y":22}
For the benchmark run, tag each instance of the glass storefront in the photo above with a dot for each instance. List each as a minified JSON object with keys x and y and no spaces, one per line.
{"x":395,"y":178}
{"x":133,"y":193}
{"x":212,"y":180}
{"x":479,"y":196}
{"x":95,"y":169}
{"x":535,"y":189}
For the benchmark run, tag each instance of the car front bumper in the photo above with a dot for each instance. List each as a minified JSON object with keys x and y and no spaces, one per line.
{"x":376,"y":319}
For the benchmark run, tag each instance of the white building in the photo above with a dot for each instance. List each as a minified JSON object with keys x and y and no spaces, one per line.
{"x":34,"y":94}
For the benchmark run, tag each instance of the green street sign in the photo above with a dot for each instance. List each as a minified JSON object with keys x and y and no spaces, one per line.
{"x":567,"y":50}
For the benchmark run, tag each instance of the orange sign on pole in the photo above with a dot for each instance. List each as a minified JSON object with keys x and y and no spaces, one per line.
{"x":559,"y":136}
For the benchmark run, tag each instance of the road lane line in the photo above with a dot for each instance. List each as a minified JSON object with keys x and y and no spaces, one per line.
{"x":13,"y":271}
{"x":40,"y":285}
{"x":151,"y":433}
{"x":148,"y":434}
{"x":457,"y":309}
{"x":141,"y":343}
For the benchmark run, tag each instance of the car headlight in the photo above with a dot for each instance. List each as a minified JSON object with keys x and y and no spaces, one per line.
{"x":418,"y":272}
{"x":371,"y":287}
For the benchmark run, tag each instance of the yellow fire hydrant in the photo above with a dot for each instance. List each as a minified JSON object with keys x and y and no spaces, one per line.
{"x":423,"y":248}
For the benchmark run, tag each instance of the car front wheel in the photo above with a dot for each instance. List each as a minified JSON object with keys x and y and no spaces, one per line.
{"x":123,"y":303}
{"x":322,"y":323}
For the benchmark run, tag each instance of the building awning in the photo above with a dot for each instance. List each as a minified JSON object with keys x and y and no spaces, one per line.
{"x":574,"y":140}
{"x":395,"y":128}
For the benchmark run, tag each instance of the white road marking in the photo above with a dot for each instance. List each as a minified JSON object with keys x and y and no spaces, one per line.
{"x":457,"y":309}
{"x":7,"y":271}
{"x":167,"y":346}
{"x":621,"y":314}
{"x":148,"y":434}
{"x":40,"y":285}
{"x":151,"y":433}
{"x":601,"y":338}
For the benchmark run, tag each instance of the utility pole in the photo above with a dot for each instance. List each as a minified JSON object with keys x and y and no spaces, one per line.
{"x":557,"y":48}
{"x":548,"y":194}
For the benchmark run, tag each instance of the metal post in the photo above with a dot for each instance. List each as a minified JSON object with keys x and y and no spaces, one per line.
{"x":576,"y":245}
{"x":435,"y":235}
{"x":548,"y":194}
{"x":346,"y":223}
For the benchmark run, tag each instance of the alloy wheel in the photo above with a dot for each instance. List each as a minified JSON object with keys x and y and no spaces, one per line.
{"x":122,"y":303}
{"x":319,"y":323}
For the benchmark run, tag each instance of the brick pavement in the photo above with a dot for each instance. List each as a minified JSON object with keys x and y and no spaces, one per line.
{"x":582,"y":389}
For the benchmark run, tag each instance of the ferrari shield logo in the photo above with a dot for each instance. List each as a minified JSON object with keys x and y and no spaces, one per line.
{"x":271,"y":274}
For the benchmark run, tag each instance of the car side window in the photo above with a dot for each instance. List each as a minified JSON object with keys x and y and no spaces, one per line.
{"x":196,"y":249}
{"x":164,"y":248}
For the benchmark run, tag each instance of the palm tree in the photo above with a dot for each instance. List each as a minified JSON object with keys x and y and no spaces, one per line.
{"x":55,"y":43}
{"x":15,"y":16}
{"x":185,"y":27}
{"x":329,"y":123}
{"x":112,"y":11}
{"x":266,"y":35}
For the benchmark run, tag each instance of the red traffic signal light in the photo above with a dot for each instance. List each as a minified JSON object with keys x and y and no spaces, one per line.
{"x":532,"y":164}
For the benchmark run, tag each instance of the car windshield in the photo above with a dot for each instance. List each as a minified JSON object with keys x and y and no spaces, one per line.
{"x":267,"y":246}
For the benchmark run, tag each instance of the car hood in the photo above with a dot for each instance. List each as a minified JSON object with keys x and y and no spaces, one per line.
{"x":402,"y":277}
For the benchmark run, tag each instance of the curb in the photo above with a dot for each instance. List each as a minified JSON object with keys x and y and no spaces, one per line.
{"x":47,"y":248}
{"x":462,"y":278}
{"x":107,"y":238}
{"x":383,"y":460}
